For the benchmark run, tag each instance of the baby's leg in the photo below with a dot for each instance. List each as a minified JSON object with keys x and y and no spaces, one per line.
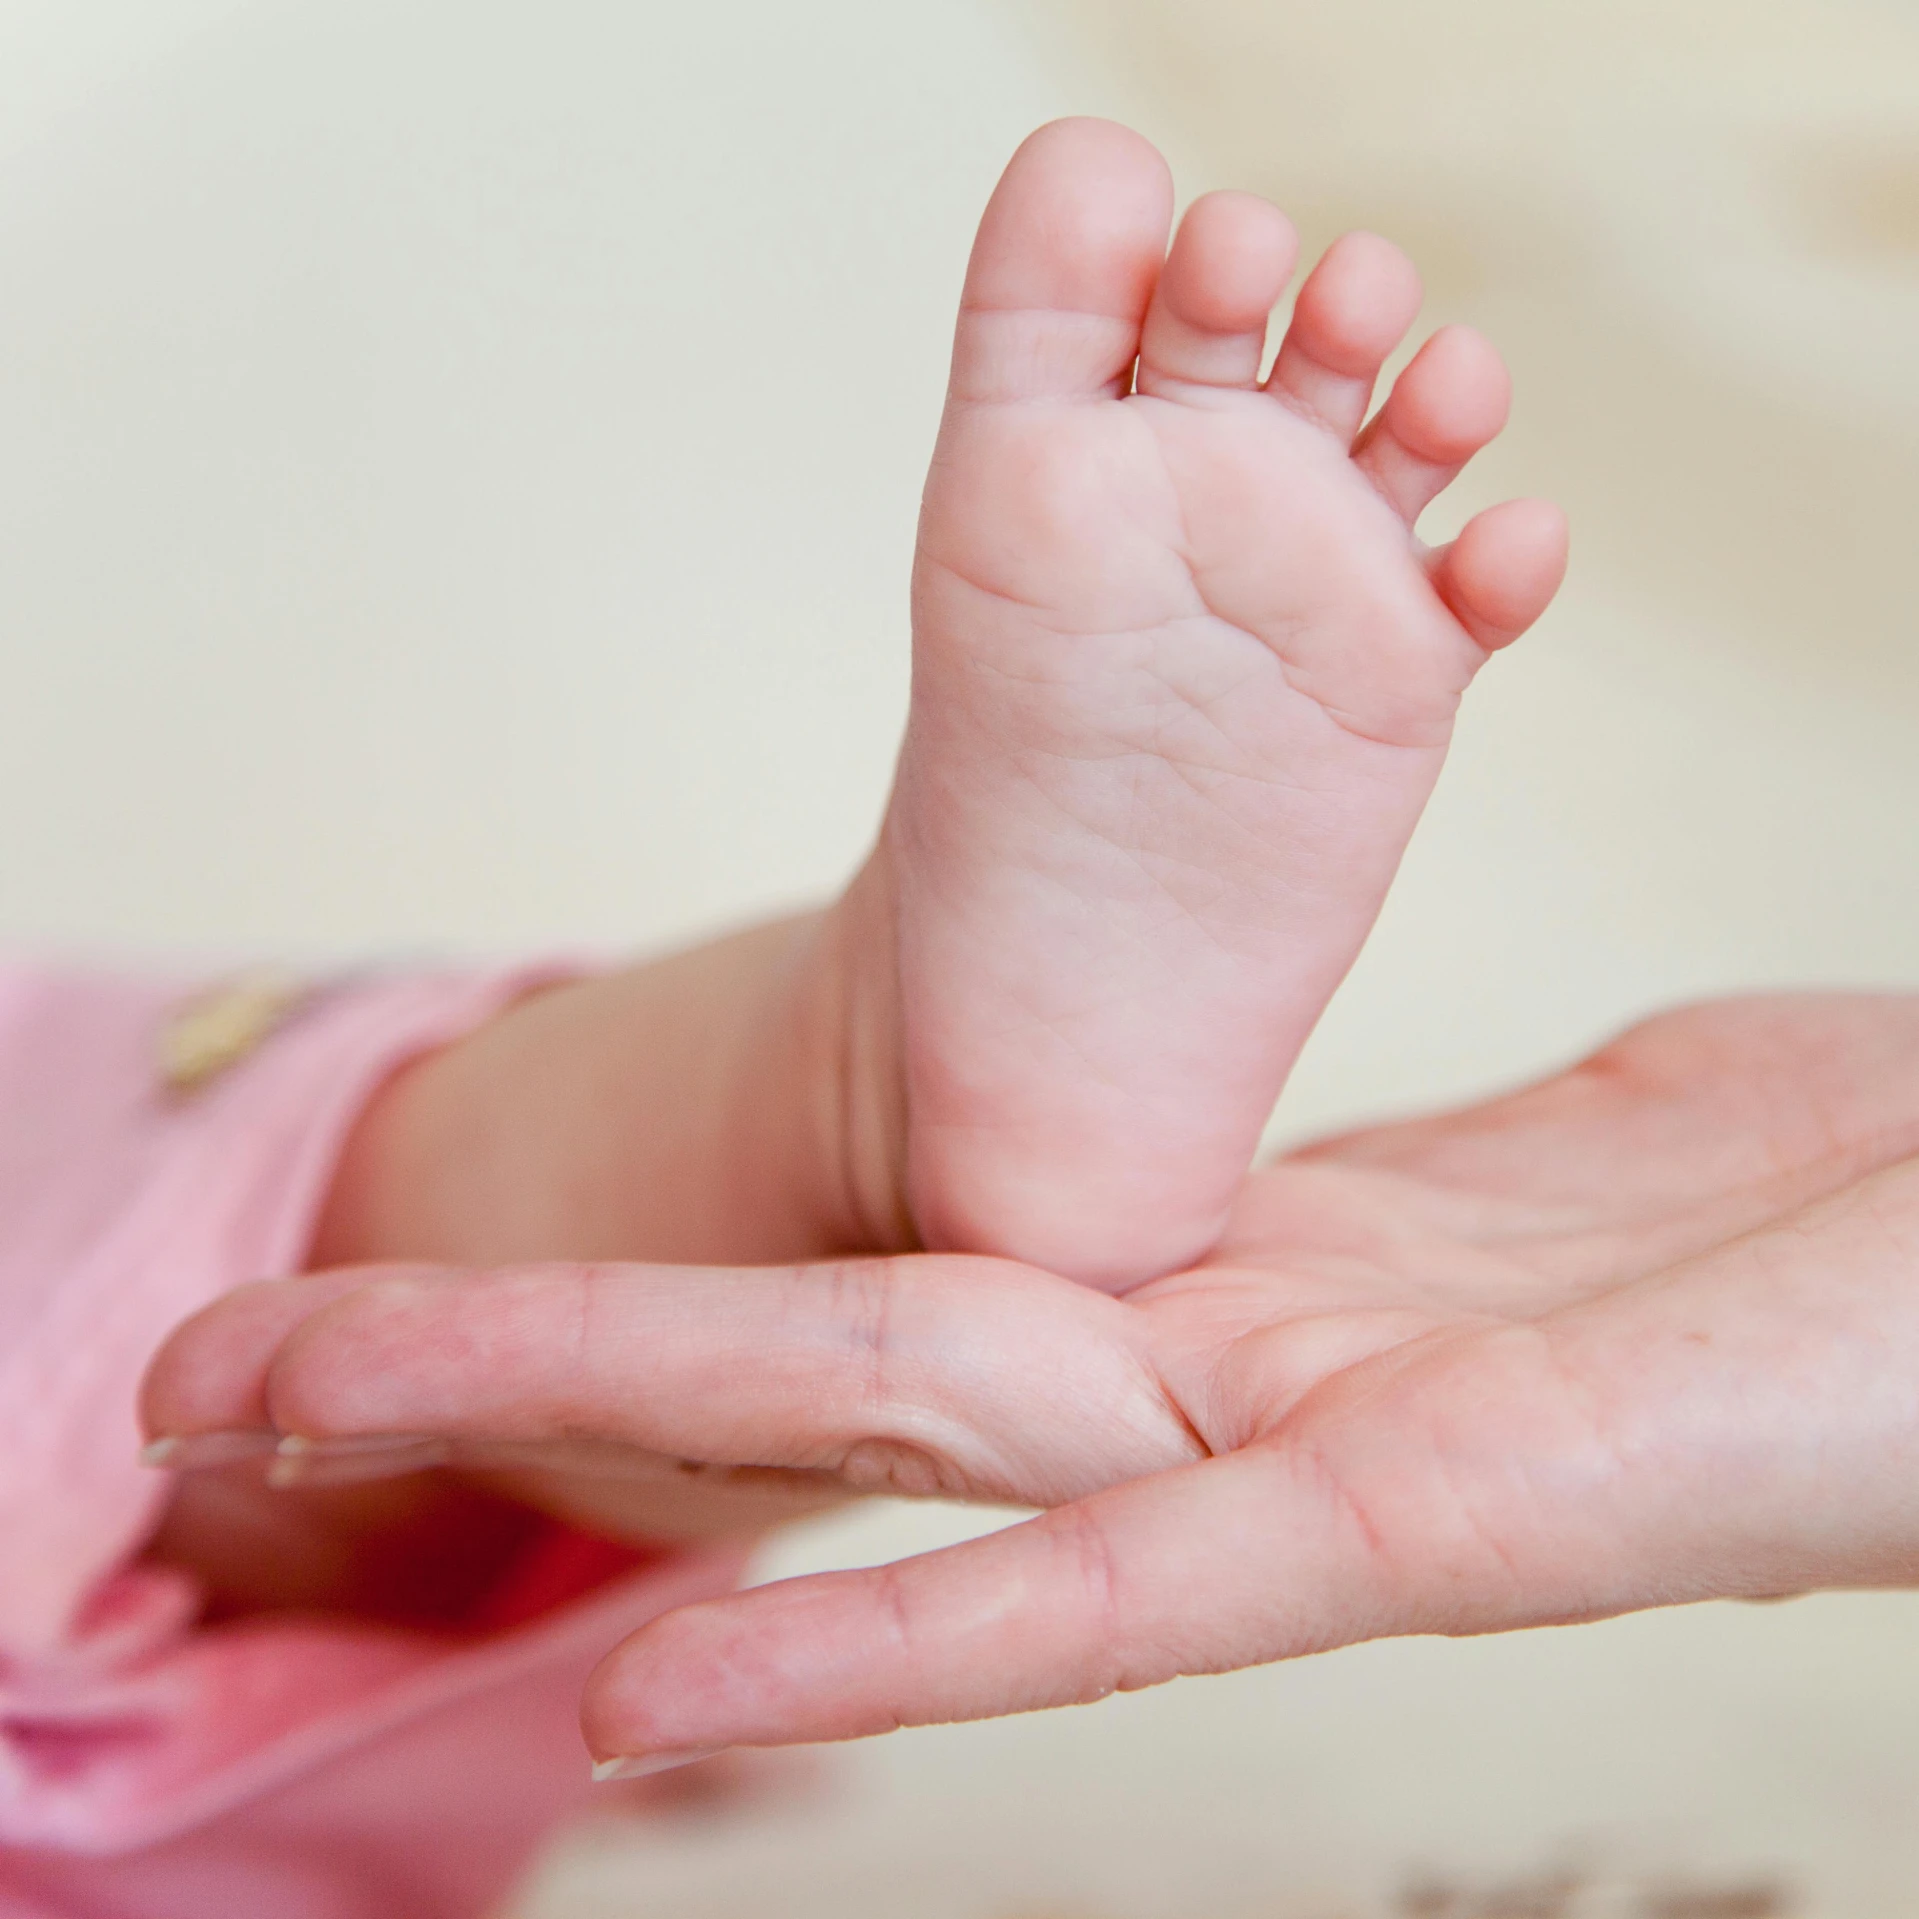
{"x":1183,"y":680}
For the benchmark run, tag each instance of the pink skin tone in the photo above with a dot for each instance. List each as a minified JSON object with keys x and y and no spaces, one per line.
{"x":1643,"y":1334}
{"x":1183,"y":680}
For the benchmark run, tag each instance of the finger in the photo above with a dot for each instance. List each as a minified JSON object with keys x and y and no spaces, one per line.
{"x":205,"y":1405}
{"x":1353,"y":310}
{"x":1451,"y":400}
{"x":974,"y":1378}
{"x":1222,"y":1565}
{"x":211,"y":1374}
{"x":1502,"y":571}
{"x":1230,"y":262}
{"x":621,"y":1492}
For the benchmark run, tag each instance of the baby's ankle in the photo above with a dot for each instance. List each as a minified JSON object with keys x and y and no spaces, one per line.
{"x":737,"y":1104}
{"x":847,"y":1012}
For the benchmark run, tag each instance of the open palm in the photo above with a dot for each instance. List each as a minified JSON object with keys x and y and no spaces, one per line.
{"x":1648,"y":1332}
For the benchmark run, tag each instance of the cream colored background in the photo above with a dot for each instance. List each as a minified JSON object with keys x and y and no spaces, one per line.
{"x":457,"y":472}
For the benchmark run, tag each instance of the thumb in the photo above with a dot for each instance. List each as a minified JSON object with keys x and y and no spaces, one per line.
{"x":1205,"y":1568}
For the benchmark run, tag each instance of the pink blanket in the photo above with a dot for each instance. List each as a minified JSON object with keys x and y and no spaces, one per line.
{"x":280,"y":1767}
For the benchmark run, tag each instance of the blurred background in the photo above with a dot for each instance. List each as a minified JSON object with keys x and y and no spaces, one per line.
{"x":458,"y":464}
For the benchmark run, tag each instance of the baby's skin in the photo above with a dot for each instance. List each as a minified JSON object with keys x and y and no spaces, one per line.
{"x":1183,"y":679}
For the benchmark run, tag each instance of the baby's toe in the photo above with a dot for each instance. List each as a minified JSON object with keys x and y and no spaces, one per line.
{"x":1230,"y":262}
{"x":1501,"y":573}
{"x":1449,"y":402}
{"x":1353,"y":310}
{"x":1069,"y":250}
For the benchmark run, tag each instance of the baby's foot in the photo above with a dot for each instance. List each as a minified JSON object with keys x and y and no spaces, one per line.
{"x":1182,"y":682}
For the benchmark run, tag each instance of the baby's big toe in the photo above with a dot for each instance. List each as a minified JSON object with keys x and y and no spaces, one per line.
{"x":1068,"y":252}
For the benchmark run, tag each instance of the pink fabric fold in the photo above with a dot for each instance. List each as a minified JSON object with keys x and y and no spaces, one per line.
{"x":281,"y":1768}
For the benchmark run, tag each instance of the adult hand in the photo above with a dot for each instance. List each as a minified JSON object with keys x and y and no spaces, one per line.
{"x":1646,"y":1333}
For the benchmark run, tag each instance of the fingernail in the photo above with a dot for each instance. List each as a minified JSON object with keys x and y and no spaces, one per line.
{"x":641,"y":1765}
{"x":190,"y":1452}
{"x":353,"y":1457}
